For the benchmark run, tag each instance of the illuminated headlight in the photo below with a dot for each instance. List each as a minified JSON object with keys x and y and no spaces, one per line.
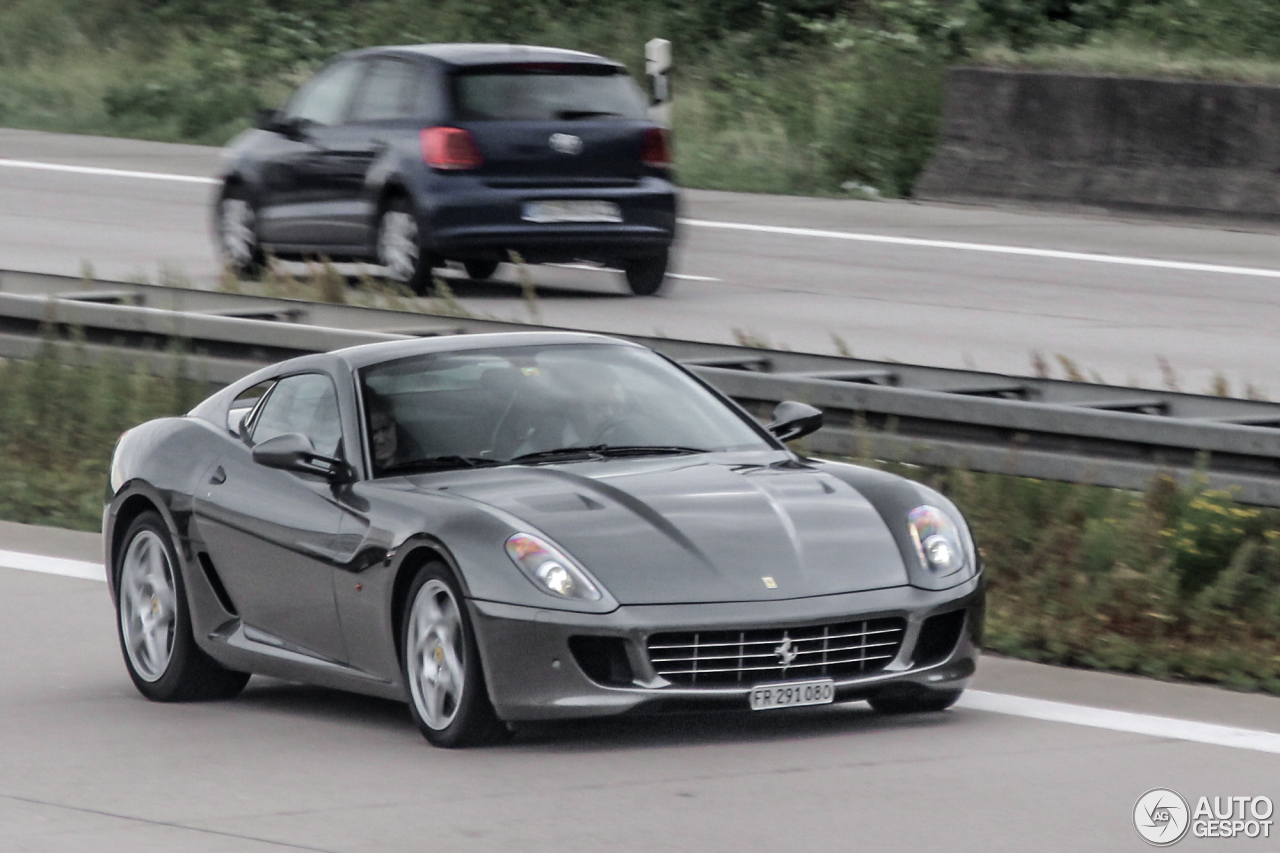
{"x":550,"y":568}
{"x":937,"y":540}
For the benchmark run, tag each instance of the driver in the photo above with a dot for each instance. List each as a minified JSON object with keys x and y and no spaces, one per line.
{"x":384,"y":439}
{"x":599,"y":412}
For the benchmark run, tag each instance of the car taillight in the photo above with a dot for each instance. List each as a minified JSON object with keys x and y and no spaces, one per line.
{"x":656,"y":152}
{"x":450,"y":148}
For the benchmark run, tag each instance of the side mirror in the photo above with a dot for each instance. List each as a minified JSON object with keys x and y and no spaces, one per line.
{"x":275,"y":121}
{"x":294,"y":452}
{"x":792,"y":420}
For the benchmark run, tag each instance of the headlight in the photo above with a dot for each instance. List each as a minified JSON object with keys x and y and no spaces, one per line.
{"x":550,"y":568}
{"x":937,"y":540}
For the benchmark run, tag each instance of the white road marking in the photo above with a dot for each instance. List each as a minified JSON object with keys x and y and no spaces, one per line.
{"x":53,"y":566}
{"x":1121,"y":721}
{"x":918,"y":242}
{"x":1186,"y":266}
{"x":110,"y":173}
{"x":590,"y":268}
{"x":978,"y":700}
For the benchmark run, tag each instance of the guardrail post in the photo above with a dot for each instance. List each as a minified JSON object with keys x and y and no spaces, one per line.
{"x":657,"y":64}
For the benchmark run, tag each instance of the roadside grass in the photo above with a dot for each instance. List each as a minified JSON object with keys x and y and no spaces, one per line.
{"x":1174,"y":582}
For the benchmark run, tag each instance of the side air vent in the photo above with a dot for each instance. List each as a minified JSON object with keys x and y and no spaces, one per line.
{"x":938,"y":637}
{"x":215,"y":583}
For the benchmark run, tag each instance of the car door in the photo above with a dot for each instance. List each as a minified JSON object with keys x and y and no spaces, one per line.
{"x":274,"y":536}
{"x":298,"y":196}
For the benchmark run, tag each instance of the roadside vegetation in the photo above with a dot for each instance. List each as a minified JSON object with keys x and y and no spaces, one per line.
{"x":823,"y":97}
{"x":1173,"y":582}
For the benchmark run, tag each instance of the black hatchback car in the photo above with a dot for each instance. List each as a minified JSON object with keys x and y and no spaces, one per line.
{"x":413,"y":156}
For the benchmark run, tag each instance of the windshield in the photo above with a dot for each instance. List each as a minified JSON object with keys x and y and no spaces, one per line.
{"x":485,"y":407}
{"x":547,"y":93}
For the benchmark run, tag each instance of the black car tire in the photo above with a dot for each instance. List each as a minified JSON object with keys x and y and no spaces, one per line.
{"x":645,"y":275}
{"x":188,"y":674}
{"x":236,"y":224}
{"x":398,"y":247}
{"x":471,"y":720}
{"x":480,"y":270}
{"x":915,"y":703}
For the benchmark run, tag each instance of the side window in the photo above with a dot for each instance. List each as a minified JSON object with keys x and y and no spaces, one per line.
{"x":386,"y":92}
{"x":323,"y":99}
{"x":305,"y":404}
{"x":242,"y":406}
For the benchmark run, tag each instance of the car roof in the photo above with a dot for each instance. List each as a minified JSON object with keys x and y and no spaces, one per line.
{"x":491,"y":54}
{"x":366,"y":354}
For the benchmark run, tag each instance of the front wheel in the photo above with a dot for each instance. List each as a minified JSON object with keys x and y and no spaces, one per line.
{"x":447,"y":695}
{"x":154,"y":622}
{"x":399,"y":247}
{"x":915,"y":703}
{"x":236,"y":221}
{"x":646,"y":275}
{"x":480,"y":270}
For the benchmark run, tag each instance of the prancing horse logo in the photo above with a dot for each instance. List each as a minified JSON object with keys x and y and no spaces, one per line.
{"x":787,"y":651}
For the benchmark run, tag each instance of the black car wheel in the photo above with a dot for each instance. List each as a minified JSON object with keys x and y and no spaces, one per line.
{"x":400,"y":247}
{"x":645,"y":275}
{"x":447,"y":694}
{"x":915,"y":703}
{"x":236,"y":221}
{"x":480,"y":270}
{"x":154,"y":622}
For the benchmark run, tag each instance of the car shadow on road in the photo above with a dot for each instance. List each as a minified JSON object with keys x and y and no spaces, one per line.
{"x":601,"y":734}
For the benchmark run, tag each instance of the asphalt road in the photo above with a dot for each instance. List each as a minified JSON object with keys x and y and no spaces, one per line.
{"x":88,"y":766}
{"x":928,"y":302}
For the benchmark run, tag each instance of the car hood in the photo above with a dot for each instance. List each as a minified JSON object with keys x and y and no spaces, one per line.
{"x":699,"y":529}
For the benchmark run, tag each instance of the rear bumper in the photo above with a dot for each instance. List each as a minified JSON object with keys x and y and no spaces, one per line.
{"x":462,"y":217}
{"x":533,"y":674}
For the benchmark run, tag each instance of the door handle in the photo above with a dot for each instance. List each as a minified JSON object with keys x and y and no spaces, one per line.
{"x":219,"y":476}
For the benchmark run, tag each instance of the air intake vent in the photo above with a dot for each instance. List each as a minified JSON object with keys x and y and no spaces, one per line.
{"x":215,"y":583}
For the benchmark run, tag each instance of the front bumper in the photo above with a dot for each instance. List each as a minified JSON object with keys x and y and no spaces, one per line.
{"x":532,"y":674}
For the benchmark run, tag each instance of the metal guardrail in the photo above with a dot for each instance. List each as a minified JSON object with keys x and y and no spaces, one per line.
{"x":1050,"y":429}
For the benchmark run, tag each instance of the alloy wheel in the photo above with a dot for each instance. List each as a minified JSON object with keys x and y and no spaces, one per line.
{"x":148,"y":605}
{"x":436,"y":668}
{"x":239,"y":238}
{"x":398,"y":245}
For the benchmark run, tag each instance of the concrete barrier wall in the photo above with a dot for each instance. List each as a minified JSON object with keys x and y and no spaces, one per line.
{"x":1114,"y":142}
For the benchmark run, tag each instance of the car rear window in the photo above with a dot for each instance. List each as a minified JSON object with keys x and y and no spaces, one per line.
{"x":546,"y":92}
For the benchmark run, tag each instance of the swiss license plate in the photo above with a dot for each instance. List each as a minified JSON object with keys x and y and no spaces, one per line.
{"x":571,"y":211}
{"x":793,"y":694}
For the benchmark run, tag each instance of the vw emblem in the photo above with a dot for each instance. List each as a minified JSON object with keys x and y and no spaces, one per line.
{"x":787,"y":651}
{"x":566,"y":143}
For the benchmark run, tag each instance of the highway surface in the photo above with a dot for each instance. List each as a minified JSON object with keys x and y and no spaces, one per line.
{"x":944,"y":285}
{"x":89,"y":766}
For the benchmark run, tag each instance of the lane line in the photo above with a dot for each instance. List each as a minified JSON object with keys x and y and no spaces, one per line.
{"x":977,"y":700}
{"x":110,"y":173}
{"x":1186,"y":266}
{"x":1121,"y":721}
{"x":916,"y":242}
{"x":52,"y":566}
{"x":590,"y":268}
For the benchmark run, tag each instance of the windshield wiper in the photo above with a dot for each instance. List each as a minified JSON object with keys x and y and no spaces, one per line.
{"x":555,"y":454}
{"x":439,"y":463}
{"x":647,"y":449}
{"x":570,"y":115}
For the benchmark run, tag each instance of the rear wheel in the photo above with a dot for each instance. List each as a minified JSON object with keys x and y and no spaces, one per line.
{"x":480,"y":270}
{"x":154,"y":622}
{"x":400,"y":247}
{"x":236,"y":221}
{"x":645,"y":275}
{"x":915,"y":703}
{"x":447,"y":695}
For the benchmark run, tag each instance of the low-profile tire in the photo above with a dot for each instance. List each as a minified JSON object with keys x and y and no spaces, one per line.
{"x":153,"y":621}
{"x":448,"y":699}
{"x":645,"y":275}
{"x":480,"y":270}
{"x":399,"y":247}
{"x":236,"y":226}
{"x":915,"y":703}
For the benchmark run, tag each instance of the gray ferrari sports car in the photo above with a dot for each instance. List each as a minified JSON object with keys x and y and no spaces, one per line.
{"x":512,"y":527}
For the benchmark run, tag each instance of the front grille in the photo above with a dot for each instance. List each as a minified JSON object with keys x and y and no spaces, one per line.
{"x":715,"y":658}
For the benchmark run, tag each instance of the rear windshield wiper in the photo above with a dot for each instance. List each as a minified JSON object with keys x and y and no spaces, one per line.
{"x":439,"y":463}
{"x":569,"y":115}
{"x":647,"y":450}
{"x":555,"y":454}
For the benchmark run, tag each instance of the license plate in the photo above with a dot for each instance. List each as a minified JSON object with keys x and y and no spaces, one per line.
{"x":571,"y":211}
{"x":793,"y":694}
